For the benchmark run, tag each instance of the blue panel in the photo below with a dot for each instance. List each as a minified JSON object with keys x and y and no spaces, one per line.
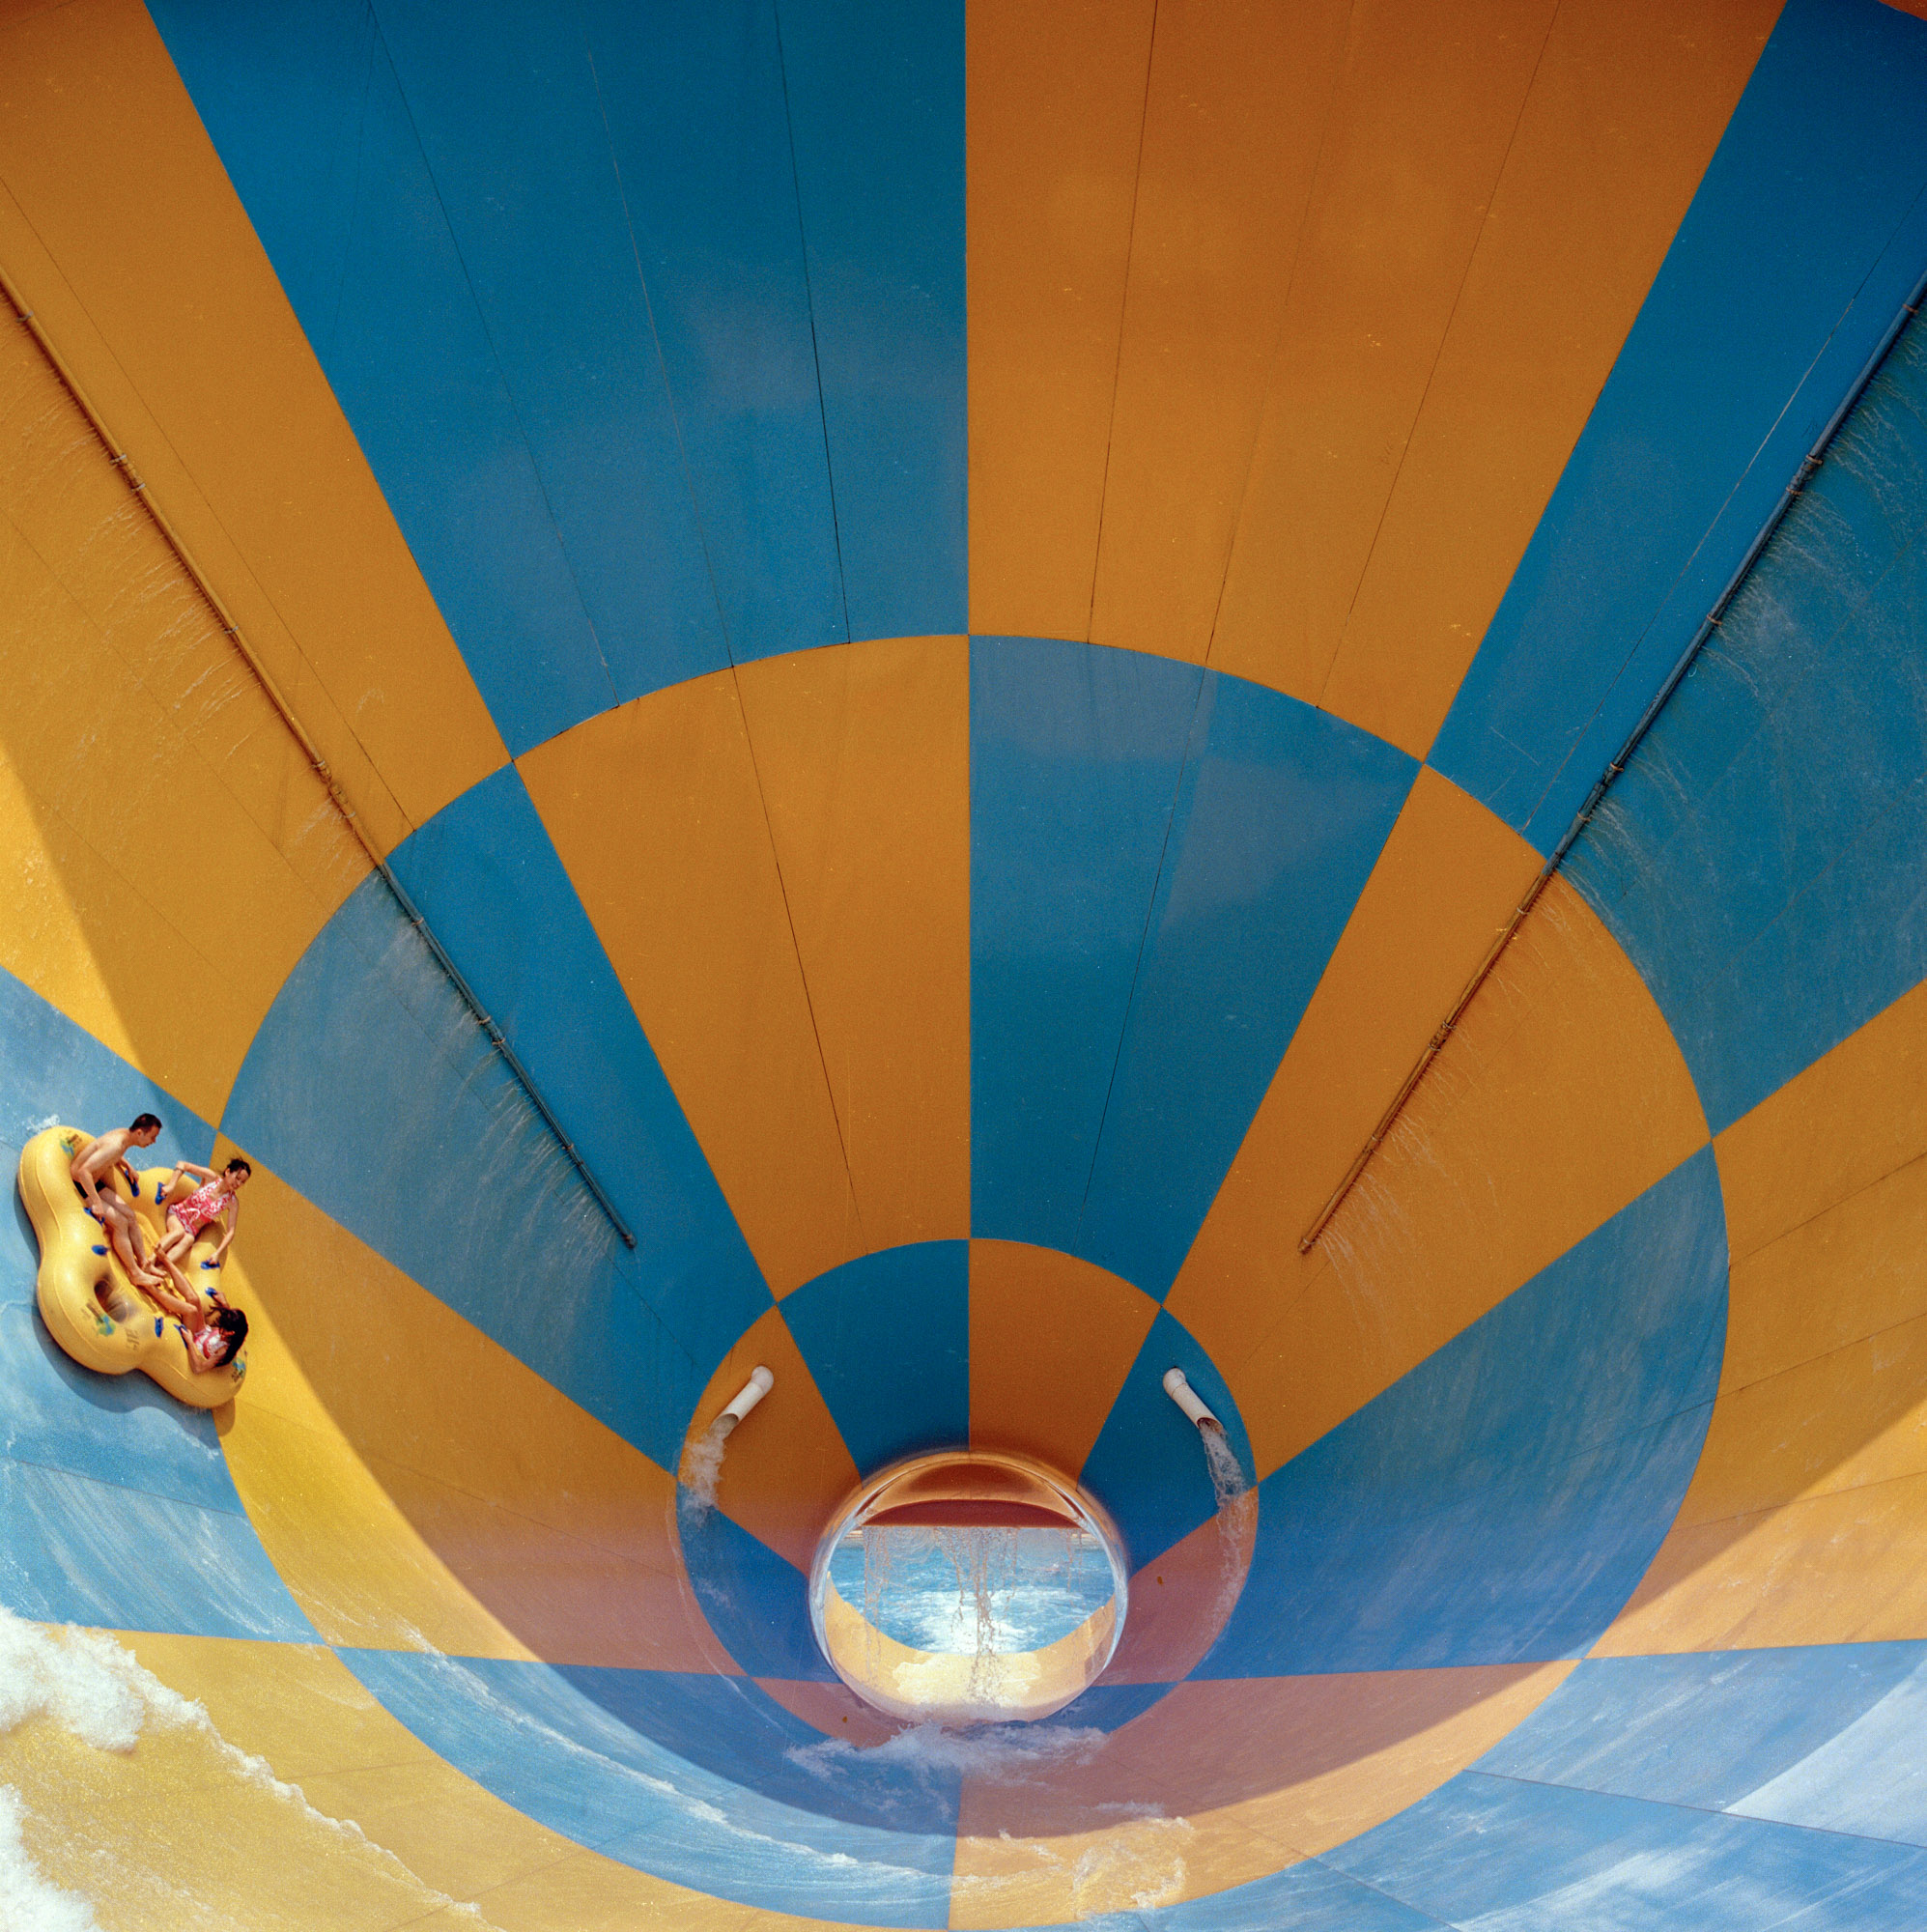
{"x":1760,"y":858}
{"x":371,"y":1088}
{"x":1476,"y":1513}
{"x":116,"y":1428}
{"x":756,"y":1601}
{"x":887,"y":1337}
{"x":1280,"y":817}
{"x":76,"y":1551}
{"x":1823,"y":1736}
{"x":876,"y":115}
{"x":303,"y":102}
{"x":528,"y":1734}
{"x":1307,"y":1897}
{"x":694,"y":101}
{"x":1809,"y":207}
{"x":1075,"y":755}
{"x":505,"y":100}
{"x":485,"y":875}
{"x":1489,"y":1851}
{"x":1147,"y":1466}
{"x":53,"y":1072}
{"x":727,"y":1727}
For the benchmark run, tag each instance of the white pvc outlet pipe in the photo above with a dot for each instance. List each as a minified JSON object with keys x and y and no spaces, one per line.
{"x":1186,"y":1396}
{"x":753,"y":1391}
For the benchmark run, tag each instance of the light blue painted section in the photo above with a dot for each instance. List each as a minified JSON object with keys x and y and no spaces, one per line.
{"x":876,"y":119}
{"x":371,"y":1088}
{"x":504,"y":98}
{"x":1806,"y":234}
{"x":54,"y":1073}
{"x":1823,"y":1736}
{"x":1162,"y":861}
{"x":1499,"y":1856}
{"x":1280,"y":817}
{"x":1760,"y":858}
{"x":1147,"y":1466}
{"x":730,"y":1728}
{"x":1307,"y":1897}
{"x":887,"y":1337}
{"x":1074,"y":760}
{"x":490,"y":883}
{"x":1499,"y":1502}
{"x":83,"y":1552}
{"x":304,"y":107}
{"x":529,"y":1735}
{"x":756,"y":1601}
{"x":693,"y":95}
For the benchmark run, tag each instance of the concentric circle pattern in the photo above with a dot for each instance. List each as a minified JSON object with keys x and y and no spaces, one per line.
{"x":966,"y":618}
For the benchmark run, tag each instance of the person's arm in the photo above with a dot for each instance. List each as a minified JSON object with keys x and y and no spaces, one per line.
{"x":82,"y":1170}
{"x":193,"y":1167}
{"x":186,"y":1308}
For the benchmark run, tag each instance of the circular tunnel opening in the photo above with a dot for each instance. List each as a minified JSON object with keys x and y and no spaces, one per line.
{"x":969,"y":1587}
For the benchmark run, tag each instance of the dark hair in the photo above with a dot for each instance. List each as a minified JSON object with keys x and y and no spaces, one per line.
{"x":238,"y":1162}
{"x":233,"y":1324}
{"x":143,"y":1121}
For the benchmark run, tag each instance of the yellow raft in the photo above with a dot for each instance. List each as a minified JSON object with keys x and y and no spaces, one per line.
{"x":88,"y":1305}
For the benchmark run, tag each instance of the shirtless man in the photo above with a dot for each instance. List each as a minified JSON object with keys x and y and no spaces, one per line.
{"x":92,"y":1167}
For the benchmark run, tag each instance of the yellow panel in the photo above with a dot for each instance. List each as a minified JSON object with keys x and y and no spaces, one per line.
{"x":1630,"y":99}
{"x":431,"y":1829}
{"x":786,"y":1469}
{"x":1849,"y":1567}
{"x":1245,"y":1776}
{"x":657,"y":810}
{"x":1561,"y":1098}
{"x":864,"y":750}
{"x":221,"y":404}
{"x":551,"y":1536}
{"x":1449,"y":875}
{"x":1051,"y":1340}
{"x":1854,"y":1115}
{"x":1238,"y":105}
{"x":1418,"y":134}
{"x":1055,"y":109}
{"x":134,"y":740}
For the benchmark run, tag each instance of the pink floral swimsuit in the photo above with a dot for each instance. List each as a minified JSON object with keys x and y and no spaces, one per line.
{"x":206,"y":1203}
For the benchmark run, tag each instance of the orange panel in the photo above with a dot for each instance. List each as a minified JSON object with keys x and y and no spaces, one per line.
{"x":657,"y":810}
{"x":1448,"y":877}
{"x":1051,"y":1340}
{"x":1854,"y":1115}
{"x":1419,"y":132}
{"x":1055,"y":104}
{"x":513,"y":1510}
{"x":1181,"y":1599}
{"x":1561,"y":1098}
{"x":1222,"y":1782}
{"x":863,"y":751}
{"x":118,"y":220}
{"x":1239,"y":95}
{"x":785,"y":1470}
{"x":1849,"y":1567}
{"x":1628,"y":102}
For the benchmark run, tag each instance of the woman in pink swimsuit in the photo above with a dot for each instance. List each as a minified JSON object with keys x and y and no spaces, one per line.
{"x":217,"y":1199}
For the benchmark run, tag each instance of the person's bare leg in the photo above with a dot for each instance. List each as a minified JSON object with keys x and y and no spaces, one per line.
{"x":123,"y":1237}
{"x":187,"y":1309}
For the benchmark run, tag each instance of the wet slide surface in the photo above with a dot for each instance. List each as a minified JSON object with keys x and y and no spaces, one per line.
{"x":965,"y":619}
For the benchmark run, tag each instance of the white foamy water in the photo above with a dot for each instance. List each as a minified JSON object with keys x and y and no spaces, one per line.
{"x":1227,"y":1477}
{"x":702,"y":1471}
{"x":97,"y":1830}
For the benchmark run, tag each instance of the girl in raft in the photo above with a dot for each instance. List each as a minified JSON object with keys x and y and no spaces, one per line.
{"x":220,"y":1198}
{"x":213,"y":1340}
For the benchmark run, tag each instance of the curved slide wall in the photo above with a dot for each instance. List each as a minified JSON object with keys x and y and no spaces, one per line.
{"x":965,"y":619}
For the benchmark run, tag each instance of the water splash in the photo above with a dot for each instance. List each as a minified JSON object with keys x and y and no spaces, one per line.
{"x":1221,"y":1458}
{"x":702,"y":1471}
{"x":92,"y":1834}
